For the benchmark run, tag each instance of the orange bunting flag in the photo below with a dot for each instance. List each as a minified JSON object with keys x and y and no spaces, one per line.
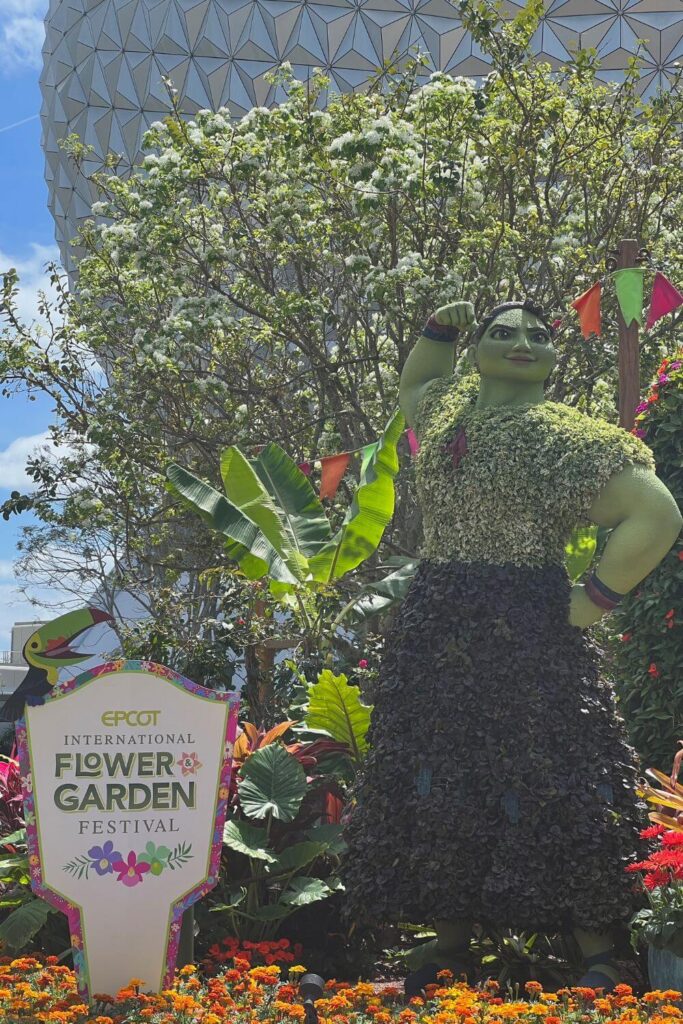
{"x":588,"y":308}
{"x":664,"y":299}
{"x":333,"y":469}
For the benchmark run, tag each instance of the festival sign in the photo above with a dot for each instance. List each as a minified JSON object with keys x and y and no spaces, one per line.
{"x":126,"y":778}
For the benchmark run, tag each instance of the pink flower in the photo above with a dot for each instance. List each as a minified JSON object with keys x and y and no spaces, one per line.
{"x":642,"y":407}
{"x":189,"y":763}
{"x":675,"y":366}
{"x":640,"y":433}
{"x":363,"y":663}
{"x":663,"y":379}
{"x":131,"y":871}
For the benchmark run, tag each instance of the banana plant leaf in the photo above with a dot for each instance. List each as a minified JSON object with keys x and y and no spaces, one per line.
{"x":580,"y":550}
{"x":369,"y":513}
{"x":384,"y":594}
{"x":248,"y":545}
{"x":246,"y":492}
{"x":303,"y":516}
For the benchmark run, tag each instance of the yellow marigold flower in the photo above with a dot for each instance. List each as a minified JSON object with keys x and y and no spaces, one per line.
{"x":136,"y":983}
{"x":188,"y":969}
{"x":297,"y":969}
{"x":549,"y":997}
{"x":185,"y":1004}
{"x":211,"y":1018}
{"x":671,"y":1011}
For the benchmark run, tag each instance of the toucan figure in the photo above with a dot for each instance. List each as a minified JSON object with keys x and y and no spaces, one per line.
{"x":46,"y":652}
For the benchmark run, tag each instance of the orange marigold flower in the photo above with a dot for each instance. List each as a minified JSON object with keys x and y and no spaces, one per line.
{"x":622,"y":990}
{"x":184,"y":972}
{"x":552,"y":1020}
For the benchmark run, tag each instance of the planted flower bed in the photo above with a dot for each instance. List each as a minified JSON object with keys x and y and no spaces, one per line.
{"x":35,"y":991}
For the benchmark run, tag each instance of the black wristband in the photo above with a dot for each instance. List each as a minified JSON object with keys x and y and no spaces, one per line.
{"x":439,"y":332}
{"x":601,"y":594}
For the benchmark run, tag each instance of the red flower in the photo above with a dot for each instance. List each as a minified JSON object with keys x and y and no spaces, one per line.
{"x":652,"y":832}
{"x":625,"y":637}
{"x":363,"y":663}
{"x":654,"y":671}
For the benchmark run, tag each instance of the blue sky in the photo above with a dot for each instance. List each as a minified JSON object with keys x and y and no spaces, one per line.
{"x":27,"y":243}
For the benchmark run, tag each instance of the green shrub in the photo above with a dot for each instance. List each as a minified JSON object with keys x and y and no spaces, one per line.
{"x":648,"y":646}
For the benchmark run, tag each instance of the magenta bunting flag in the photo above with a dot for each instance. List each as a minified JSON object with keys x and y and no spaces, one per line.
{"x":306,"y":468}
{"x":664,"y":299}
{"x":413,"y":442}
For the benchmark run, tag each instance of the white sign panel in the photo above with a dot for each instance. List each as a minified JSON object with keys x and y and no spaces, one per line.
{"x":126,"y":779}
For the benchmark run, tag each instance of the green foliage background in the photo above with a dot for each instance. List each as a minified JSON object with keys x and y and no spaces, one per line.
{"x":647,"y":650}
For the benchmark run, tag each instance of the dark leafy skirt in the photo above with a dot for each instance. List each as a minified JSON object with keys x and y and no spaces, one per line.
{"x":499,"y":783}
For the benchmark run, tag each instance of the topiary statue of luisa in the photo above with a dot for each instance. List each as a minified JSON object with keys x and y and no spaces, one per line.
{"x":499,"y":787}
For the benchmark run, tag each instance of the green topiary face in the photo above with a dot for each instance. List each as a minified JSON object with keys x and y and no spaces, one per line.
{"x":516,"y":346}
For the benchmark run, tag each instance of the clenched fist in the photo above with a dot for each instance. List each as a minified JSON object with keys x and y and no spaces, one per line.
{"x":582,"y":611}
{"x":457,"y":314}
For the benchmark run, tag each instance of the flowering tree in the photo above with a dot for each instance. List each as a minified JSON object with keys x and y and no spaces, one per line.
{"x":648,"y":649}
{"x":263,"y":280}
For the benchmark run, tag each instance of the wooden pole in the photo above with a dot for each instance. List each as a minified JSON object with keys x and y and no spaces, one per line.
{"x":627,"y":255}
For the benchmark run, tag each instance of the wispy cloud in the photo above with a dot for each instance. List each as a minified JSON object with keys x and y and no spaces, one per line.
{"x":22,"y":33}
{"x":32,"y":276}
{"x":13,"y":460}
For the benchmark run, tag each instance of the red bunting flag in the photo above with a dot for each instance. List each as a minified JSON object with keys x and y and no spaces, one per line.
{"x":588,"y":308}
{"x":333,"y":469}
{"x":664,"y":299}
{"x":413,"y":442}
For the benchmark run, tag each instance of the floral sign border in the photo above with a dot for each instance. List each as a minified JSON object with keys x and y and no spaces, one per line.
{"x":71,"y":910}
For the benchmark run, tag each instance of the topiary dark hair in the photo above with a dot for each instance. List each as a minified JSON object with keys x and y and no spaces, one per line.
{"x":526,"y":304}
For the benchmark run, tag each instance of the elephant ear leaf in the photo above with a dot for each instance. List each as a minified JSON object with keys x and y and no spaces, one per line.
{"x":336,"y":708}
{"x":272,"y":782}
{"x":22,"y":924}
{"x":301,"y":511}
{"x":369,"y":512}
{"x":246,"y":542}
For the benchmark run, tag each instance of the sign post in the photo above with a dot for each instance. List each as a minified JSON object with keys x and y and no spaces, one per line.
{"x":126,"y":780}
{"x":627,"y":255}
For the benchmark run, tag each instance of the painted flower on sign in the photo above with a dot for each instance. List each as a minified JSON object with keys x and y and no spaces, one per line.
{"x":104,"y":858}
{"x":156,"y":857}
{"x":132,"y":871}
{"x":189,"y":764}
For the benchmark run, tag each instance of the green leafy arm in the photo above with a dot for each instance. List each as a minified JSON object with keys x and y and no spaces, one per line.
{"x":430,"y":359}
{"x":645,"y":522}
